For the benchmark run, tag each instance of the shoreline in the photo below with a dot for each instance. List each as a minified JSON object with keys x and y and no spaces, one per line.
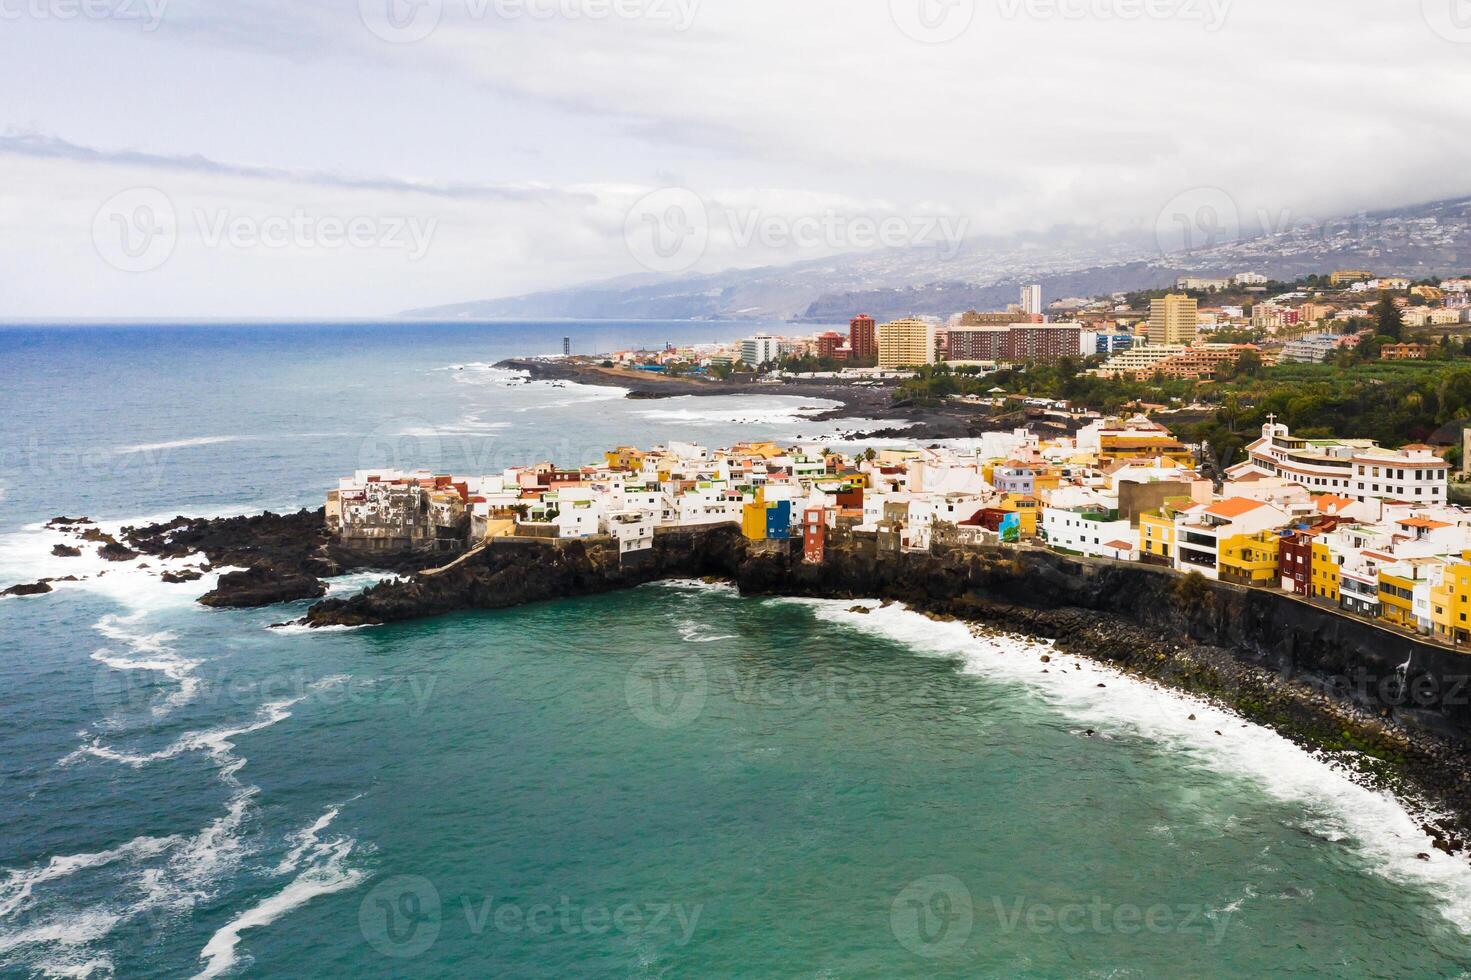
{"x":856,"y":403}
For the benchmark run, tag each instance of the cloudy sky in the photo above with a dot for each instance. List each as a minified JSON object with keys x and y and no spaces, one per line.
{"x":356,"y":157}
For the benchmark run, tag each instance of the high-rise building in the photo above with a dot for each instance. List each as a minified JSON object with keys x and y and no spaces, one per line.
{"x":760,"y":349}
{"x":863,"y":338}
{"x":1018,"y":343}
{"x":1173,"y":319}
{"x":566,"y":346}
{"x":1031,"y":299}
{"x":906,"y":343}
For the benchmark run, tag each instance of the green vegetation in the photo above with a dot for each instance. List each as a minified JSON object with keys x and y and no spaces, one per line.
{"x":1393,"y":402}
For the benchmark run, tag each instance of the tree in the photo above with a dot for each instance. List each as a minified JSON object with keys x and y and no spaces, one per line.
{"x":1388,"y":321}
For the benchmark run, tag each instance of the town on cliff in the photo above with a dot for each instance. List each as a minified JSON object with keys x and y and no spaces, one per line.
{"x":1342,"y":523}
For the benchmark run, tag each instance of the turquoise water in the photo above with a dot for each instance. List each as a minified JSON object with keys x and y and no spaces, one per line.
{"x":674,"y":781}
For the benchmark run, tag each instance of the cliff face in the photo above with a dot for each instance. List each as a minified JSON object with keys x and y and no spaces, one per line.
{"x":1042,"y":594}
{"x":514,"y":572}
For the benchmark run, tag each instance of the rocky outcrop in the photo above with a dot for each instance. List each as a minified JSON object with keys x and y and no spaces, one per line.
{"x":282,"y":557}
{"x":34,"y":588}
{"x":516,"y":571}
{"x":66,"y":551}
{"x":262,"y":586}
{"x":114,"y":551}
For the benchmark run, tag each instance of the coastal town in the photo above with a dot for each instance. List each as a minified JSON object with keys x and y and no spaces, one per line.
{"x":1343,"y":523}
{"x":1339,"y":520}
{"x":1197,"y":331}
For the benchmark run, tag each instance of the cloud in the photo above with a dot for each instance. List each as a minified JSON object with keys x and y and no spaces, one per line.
{"x":527,"y":131}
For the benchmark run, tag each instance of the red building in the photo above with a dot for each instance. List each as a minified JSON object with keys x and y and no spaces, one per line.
{"x":1016,"y":343}
{"x":814,"y":535}
{"x":828,"y":344}
{"x":863,"y":337}
{"x":1295,"y":560}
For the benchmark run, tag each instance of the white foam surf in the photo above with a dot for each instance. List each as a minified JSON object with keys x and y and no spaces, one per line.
{"x":153,"y":447}
{"x":694,"y":585}
{"x":18,"y":886}
{"x":693,"y":632}
{"x":216,"y":742}
{"x":323,"y":871}
{"x":1379,"y":827}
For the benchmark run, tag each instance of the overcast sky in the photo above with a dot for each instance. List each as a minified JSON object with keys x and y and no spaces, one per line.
{"x":346,"y":158}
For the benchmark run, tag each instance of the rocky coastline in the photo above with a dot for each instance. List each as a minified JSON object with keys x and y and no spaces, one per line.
{"x":950,"y":421}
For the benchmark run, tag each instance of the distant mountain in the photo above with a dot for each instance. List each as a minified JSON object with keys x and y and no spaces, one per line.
{"x":986,"y":273}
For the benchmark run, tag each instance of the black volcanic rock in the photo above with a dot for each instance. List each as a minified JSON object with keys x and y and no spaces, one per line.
{"x":285,"y":555}
{"x":262,"y":586}
{"x":113,"y":551}
{"x":35,"y":588}
{"x":66,"y":551}
{"x":177,"y":578}
{"x":63,"y":522}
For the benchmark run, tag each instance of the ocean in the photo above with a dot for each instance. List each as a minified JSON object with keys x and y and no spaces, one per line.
{"x":672,"y":781}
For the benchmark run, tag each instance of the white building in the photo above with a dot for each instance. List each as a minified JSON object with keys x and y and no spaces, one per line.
{"x":1354,"y":468}
{"x":1031,"y":299}
{"x":761,"y":349}
{"x":1200,"y":530}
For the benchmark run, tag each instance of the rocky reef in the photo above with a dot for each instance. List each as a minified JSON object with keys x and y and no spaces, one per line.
{"x":280,"y":557}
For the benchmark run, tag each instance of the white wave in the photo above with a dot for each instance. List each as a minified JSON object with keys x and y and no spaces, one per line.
{"x":693,"y":632}
{"x":64,"y":930}
{"x":16,"y":890}
{"x":700,"y":411}
{"x":157,"y":656}
{"x":694,"y":585}
{"x":217,"y":742}
{"x":1378,"y":826}
{"x":326,"y":873}
{"x":301,"y":629}
{"x":305,"y":841}
{"x":152,"y":447}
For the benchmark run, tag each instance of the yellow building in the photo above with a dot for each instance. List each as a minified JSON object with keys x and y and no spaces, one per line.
{"x":1174,"y":319}
{"x":753,"y":517}
{"x":1325,"y":579}
{"x":1450,"y":602}
{"x":1157,"y":536}
{"x":1250,"y":559}
{"x":1345,"y":277}
{"x":1144,"y":445}
{"x":625,"y":458}
{"x":1396,"y":599}
{"x":906,"y":343}
{"x":1027,"y":509}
